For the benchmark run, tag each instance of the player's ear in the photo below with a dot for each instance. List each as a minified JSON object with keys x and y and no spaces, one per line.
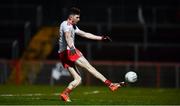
{"x":70,"y":16}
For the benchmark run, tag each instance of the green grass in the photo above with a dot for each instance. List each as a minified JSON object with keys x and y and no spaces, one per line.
{"x":87,"y":95}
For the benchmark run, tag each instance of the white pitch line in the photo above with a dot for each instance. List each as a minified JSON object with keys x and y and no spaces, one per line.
{"x":43,"y":94}
{"x":92,"y":92}
{"x":36,"y":96}
{"x":6,"y":95}
{"x":28,"y":94}
{"x":56,"y":94}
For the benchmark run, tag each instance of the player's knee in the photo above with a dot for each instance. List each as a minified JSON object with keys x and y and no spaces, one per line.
{"x":79,"y":80}
{"x":76,"y":81}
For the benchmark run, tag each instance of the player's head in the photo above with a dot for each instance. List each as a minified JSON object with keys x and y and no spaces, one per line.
{"x":74,"y":15}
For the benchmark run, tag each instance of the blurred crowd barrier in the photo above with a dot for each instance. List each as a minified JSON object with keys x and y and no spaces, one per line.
{"x":150,"y":74}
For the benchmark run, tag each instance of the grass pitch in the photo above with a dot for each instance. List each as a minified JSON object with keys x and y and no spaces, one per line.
{"x":88,"y":95}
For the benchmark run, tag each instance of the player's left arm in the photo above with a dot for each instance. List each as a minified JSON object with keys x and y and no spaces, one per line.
{"x":88,"y":35}
{"x":92,"y":36}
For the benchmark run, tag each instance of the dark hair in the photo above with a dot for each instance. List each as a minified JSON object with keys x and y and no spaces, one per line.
{"x":74,"y":11}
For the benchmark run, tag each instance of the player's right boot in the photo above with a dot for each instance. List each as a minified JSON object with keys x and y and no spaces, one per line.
{"x":123,"y":84}
{"x":65,"y":97}
{"x":114,"y":86}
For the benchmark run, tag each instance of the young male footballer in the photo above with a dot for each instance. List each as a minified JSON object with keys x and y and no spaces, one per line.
{"x":71,"y":57}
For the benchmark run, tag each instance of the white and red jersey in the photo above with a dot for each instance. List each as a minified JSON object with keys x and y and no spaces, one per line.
{"x":66,"y":27}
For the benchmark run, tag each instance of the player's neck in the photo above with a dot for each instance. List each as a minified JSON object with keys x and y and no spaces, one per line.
{"x":70,"y":21}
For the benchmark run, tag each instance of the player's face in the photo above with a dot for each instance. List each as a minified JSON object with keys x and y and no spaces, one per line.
{"x":76,"y":19}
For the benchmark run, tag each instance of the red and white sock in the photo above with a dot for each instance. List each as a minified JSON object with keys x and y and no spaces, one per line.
{"x":108,"y":82}
{"x":67,"y":91}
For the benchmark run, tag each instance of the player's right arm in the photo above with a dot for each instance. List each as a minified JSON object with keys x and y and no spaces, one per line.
{"x":69,"y":39}
{"x":70,"y":42}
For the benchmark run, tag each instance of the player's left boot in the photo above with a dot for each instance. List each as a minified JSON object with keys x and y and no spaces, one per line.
{"x":65,"y":97}
{"x":114,"y":86}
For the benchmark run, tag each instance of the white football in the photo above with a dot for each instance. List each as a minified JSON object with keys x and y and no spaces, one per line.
{"x":131,"y":77}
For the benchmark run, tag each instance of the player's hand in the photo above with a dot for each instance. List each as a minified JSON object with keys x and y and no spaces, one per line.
{"x":72,"y":51}
{"x":106,"y":38}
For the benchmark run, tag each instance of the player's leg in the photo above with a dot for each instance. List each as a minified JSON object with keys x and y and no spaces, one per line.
{"x":76,"y":76}
{"x":77,"y":80}
{"x":82,"y":62}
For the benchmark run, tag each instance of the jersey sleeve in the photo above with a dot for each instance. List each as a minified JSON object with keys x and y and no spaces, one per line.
{"x":67,"y":28}
{"x":77,"y":29}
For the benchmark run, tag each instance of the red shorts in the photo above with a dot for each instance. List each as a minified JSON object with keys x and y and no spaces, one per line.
{"x":67,"y":59}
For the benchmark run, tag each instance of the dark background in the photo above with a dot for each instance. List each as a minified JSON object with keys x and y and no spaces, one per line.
{"x":162,"y":18}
